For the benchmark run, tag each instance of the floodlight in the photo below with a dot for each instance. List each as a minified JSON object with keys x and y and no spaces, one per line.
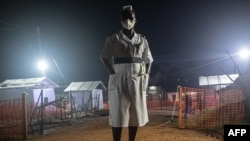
{"x":244,"y":53}
{"x":42,"y":65}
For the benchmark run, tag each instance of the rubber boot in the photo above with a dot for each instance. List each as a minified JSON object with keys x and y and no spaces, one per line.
{"x":132,"y":130}
{"x":116,"y":131}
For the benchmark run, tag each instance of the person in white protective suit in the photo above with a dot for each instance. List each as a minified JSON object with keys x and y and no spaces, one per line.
{"x":127,"y":58}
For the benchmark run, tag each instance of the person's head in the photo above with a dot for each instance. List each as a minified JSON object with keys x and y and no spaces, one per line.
{"x":128,"y":18}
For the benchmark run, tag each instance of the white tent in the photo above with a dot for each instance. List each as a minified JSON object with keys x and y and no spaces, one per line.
{"x":87,"y":95}
{"x":13,"y":89}
{"x":217,"y":79}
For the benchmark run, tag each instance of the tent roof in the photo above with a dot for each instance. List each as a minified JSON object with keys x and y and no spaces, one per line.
{"x":217,"y":79}
{"x":40,"y":82}
{"x":85,"y":86}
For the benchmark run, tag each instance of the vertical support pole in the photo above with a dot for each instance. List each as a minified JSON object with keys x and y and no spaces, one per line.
{"x":41,"y":110}
{"x":91,"y":100}
{"x":61,"y":107}
{"x":180,"y":120}
{"x":65,"y":109}
{"x":25,"y":126}
{"x":161,"y":99}
{"x":71,"y":104}
{"x":39,"y":41}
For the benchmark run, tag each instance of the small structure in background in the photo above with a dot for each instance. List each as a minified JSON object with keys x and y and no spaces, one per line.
{"x":154,"y":90}
{"x":13,"y":89}
{"x":172,"y":96}
{"x":154,"y":93}
{"x":86,"y":96}
{"x":157,"y":93}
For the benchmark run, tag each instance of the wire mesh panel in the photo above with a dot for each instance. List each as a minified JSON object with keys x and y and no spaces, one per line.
{"x":210,"y":109}
{"x":11,"y":119}
{"x":231,"y":108}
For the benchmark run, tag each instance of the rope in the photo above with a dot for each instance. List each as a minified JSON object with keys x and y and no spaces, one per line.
{"x":172,"y":117}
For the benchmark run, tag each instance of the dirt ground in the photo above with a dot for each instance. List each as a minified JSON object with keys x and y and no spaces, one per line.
{"x":159,"y":128}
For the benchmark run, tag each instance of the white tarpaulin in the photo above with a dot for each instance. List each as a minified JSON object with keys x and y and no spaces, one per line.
{"x":87,"y":94}
{"x":40,"y":82}
{"x":85,"y":86}
{"x":217,"y":79}
{"x":13,"y":88}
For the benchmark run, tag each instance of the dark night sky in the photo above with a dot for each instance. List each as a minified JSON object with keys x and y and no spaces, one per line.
{"x":73,"y":32}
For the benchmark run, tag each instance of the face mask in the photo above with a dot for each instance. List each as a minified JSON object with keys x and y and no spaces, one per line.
{"x":128,"y":24}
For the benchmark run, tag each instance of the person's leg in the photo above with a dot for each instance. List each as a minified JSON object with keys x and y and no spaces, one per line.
{"x":116,"y":131}
{"x":132,"y":130}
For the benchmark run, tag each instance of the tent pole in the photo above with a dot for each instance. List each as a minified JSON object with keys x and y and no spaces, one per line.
{"x":42,"y":108}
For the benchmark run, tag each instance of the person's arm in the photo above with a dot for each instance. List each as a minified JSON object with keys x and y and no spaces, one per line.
{"x":148,"y":67}
{"x":108,"y":66}
{"x":147,"y":57}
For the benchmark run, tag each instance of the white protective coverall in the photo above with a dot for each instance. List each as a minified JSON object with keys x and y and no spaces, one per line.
{"x":127,"y":87}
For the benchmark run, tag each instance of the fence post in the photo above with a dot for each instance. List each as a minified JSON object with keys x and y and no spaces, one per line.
{"x":180,"y":120}
{"x":25,"y":126}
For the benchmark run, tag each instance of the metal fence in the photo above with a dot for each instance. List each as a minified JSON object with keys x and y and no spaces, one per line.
{"x":197,"y":109}
{"x":210,"y":109}
{"x":18,"y":118}
{"x":13,"y":119}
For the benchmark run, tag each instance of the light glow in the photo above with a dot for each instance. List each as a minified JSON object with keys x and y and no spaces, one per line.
{"x":244,"y":53}
{"x":152,"y":88}
{"x":42,"y":66}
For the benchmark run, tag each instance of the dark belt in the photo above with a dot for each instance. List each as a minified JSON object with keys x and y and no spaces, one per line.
{"x":127,"y":60}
